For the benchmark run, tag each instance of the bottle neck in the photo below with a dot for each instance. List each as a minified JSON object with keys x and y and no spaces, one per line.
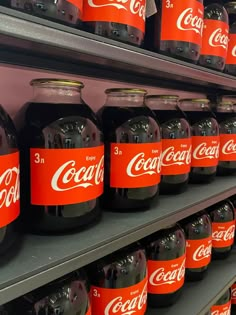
{"x":57,"y":94}
{"x":194,"y":106}
{"x":223,"y":108}
{"x":125,"y":100}
{"x":161,"y":104}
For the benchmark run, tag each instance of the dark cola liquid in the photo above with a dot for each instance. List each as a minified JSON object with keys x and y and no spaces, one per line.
{"x":173,"y":126}
{"x":55,"y":126}
{"x":62,"y":11}
{"x":196,"y":227}
{"x":127,"y":125}
{"x":222,"y":212}
{"x":225,"y":298}
{"x":117,"y":31}
{"x":8,"y":144}
{"x":167,"y":244}
{"x":202,"y":124}
{"x":216,"y":12}
{"x":179,"y":49}
{"x":227,"y":124}
{"x":67,"y":296}
{"x":230,"y":68}
{"x":121,"y":269}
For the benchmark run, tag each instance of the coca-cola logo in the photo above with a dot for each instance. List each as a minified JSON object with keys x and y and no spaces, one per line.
{"x":127,"y":307}
{"x":219,"y":39}
{"x":202,"y":252}
{"x":187,"y":21}
{"x":225,"y":312}
{"x":10,"y":187}
{"x":202,"y":151}
{"x":224,"y":235}
{"x":233,"y":292}
{"x":135,"y":7}
{"x":140,"y":165}
{"x":161,"y":276}
{"x":67,"y":177}
{"x":172,"y":157}
{"x":233,"y":51}
{"x":229,"y":147}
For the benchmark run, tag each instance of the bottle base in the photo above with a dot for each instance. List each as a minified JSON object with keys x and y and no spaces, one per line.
{"x":127,"y":205}
{"x":223,"y":171}
{"x":220,"y":254}
{"x":230,"y":69}
{"x":212,"y":62}
{"x":163,"y":300}
{"x":61,"y":225}
{"x":179,"y":50}
{"x":201,"y":178}
{"x":173,"y":189}
{"x":192,"y":276}
{"x":116,"y":31}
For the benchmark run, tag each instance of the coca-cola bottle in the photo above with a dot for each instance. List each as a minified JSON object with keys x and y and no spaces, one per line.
{"x":230,"y":7}
{"x":119,"y":282}
{"x":120,"y":20}
{"x":215,"y":37}
{"x":226,"y":118}
{"x":66,"y":296}
{"x":176,"y":143}
{"x":178,"y":28}
{"x":223,"y":229}
{"x":230,"y":66}
{"x":62,"y":11}
{"x":9,"y":183}
{"x":233,"y":201}
{"x":62,"y":156}
{"x":233,"y":299}
{"x":198,"y":245}
{"x":133,"y":151}
{"x":223,"y":305}
{"x":166,"y":265}
{"x":205,"y":139}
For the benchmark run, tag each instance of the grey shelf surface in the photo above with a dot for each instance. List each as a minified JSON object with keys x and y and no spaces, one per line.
{"x":42,"y":259}
{"x":30,"y":41}
{"x":198,"y":297}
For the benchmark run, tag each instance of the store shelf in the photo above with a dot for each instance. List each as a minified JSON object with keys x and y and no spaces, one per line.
{"x":198,"y":297}
{"x":42,"y":259}
{"x":31,"y":41}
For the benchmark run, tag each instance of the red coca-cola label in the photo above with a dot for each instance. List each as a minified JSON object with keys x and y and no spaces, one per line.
{"x":123,"y":301}
{"x":198,"y":252}
{"x":233,"y":294}
{"x":223,"y":234}
{"x":77,"y":3}
{"x":166,"y":276}
{"x":215,"y":38}
{"x":176,"y":156}
{"x":135,"y":165}
{"x":227,"y":147}
{"x":231,"y":55}
{"x":130,"y":12}
{"x":223,"y":309}
{"x":205,"y":151}
{"x":66,"y":176}
{"x":9,"y":188}
{"x":184,"y":20}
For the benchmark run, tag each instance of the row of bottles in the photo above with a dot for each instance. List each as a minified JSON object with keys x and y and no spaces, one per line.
{"x":149,"y":143}
{"x":185,"y":30}
{"x":151,"y":272}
